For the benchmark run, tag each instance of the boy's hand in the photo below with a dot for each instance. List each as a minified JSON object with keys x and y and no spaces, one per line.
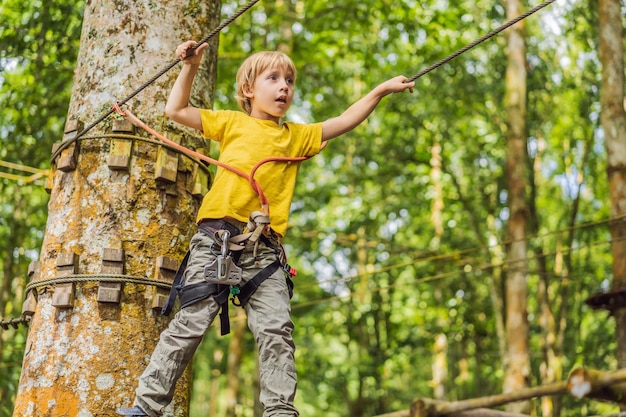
{"x":397,"y":85}
{"x":195,"y":55}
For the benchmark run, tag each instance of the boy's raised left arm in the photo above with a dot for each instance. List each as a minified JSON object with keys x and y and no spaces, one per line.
{"x":359,"y":111}
{"x":177,"y":107}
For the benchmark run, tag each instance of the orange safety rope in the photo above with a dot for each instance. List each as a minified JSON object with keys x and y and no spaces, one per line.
{"x":254,"y":184}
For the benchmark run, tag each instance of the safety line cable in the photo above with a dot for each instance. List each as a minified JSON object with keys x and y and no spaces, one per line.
{"x":149,"y":140}
{"x":297,"y":305}
{"x":479,"y":41}
{"x":116,"y":278}
{"x":214,"y":32}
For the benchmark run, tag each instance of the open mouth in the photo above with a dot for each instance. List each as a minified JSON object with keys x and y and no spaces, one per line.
{"x":281,"y":100}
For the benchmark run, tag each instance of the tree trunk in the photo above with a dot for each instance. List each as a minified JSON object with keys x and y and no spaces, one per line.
{"x":440,"y":366}
{"x":120,"y":208}
{"x":516,"y":362}
{"x":437,"y":205}
{"x":613,"y":119}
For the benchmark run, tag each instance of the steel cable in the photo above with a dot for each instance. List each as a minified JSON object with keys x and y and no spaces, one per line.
{"x":214,"y":32}
{"x":478,"y":41}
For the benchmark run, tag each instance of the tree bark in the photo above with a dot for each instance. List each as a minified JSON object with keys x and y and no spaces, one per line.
{"x":425,"y":407}
{"x":517,"y":362}
{"x":440,"y":366}
{"x":120,"y":205}
{"x":613,"y":120}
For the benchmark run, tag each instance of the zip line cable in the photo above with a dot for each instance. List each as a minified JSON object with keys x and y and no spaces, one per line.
{"x":479,"y":41}
{"x":256,"y":187}
{"x":214,"y":32}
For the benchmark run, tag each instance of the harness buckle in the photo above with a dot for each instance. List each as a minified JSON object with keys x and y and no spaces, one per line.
{"x":257,"y":224}
{"x":223,"y":269}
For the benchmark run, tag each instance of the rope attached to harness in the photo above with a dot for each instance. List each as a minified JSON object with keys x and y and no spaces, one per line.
{"x":256,"y":187}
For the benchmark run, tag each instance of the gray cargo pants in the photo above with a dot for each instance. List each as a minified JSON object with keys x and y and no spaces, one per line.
{"x":268,"y":312}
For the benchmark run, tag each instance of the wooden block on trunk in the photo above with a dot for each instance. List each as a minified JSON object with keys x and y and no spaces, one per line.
{"x":63,"y":296}
{"x":166,"y":167}
{"x":112,"y":263}
{"x":69,"y":156}
{"x":67,"y":264}
{"x":165,"y":271}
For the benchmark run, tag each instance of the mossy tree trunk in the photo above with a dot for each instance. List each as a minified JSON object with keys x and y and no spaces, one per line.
{"x":121,"y":207}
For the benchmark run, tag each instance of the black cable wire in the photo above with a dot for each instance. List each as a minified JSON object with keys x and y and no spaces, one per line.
{"x":244,"y":9}
{"x":478,"y":41}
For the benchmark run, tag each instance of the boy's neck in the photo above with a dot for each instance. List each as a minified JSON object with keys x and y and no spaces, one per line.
{"x":265,"y":116}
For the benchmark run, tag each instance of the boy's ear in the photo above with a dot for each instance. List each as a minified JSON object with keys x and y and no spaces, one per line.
{"x":247,"y":90}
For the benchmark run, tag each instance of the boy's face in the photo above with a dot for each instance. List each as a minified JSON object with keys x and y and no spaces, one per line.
{"x":272,"y":93}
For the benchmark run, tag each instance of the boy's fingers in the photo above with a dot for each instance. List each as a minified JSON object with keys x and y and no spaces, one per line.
{"x":191,"y":50}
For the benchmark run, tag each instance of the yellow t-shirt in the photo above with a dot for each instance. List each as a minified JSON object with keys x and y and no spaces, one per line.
{"x":244,"y":141}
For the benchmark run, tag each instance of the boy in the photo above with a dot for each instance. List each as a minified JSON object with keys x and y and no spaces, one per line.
{"x":265,"y":89}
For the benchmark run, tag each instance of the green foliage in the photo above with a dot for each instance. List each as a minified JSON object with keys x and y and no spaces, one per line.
{"x":38,"y":45}
{"x":376,"y":284}
{"x":378,"y":281}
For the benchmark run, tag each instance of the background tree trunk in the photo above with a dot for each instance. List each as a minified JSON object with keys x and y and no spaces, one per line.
{"x":516,"y":361}
{"x":613,"y":119}
{"x":124,"y":206}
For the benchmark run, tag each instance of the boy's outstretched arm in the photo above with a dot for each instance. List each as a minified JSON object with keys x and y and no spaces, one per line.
{"x":177,"y":107}
{"x":359,"y":111}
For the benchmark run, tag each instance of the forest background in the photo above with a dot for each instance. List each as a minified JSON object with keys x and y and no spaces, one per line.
{"x":399,"y":229}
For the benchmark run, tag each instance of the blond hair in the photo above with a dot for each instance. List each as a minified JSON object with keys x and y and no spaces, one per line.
{"x":253,"y":66}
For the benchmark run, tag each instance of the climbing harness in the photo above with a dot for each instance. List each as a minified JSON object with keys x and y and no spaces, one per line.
{"x":222,"y":277}
{"x":223,"y":270}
